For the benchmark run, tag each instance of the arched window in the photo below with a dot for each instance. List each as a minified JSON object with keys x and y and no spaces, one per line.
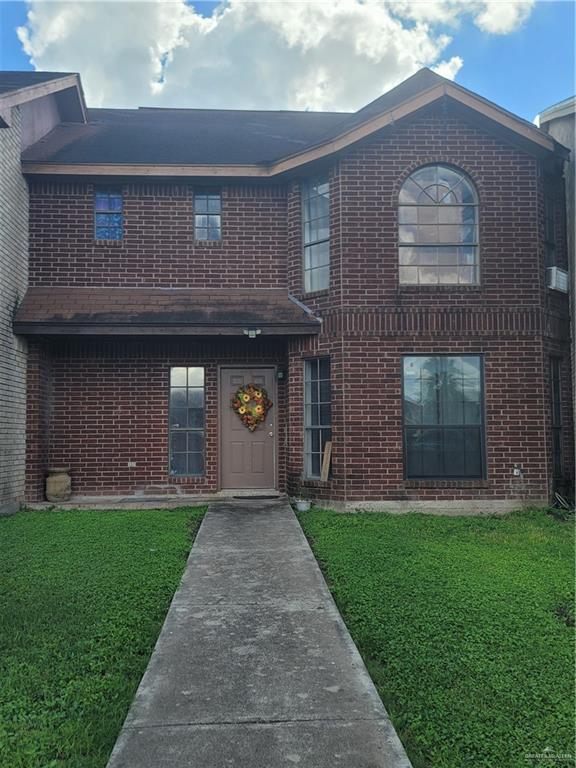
{"x":438,"y":228}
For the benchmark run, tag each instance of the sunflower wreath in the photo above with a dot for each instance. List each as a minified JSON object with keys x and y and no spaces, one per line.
{"x":251,"y":403}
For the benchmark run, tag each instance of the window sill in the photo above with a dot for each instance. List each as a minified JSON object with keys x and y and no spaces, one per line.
{"x":417,"y":288}
{"x":315,"y":482}
{"x":209,"y":243}
{"x":315,"y":294}
{"x":447,"y":483}
{"x":109,"y":243}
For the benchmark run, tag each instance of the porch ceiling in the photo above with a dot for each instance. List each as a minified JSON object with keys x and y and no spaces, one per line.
{"x":161,"y":311}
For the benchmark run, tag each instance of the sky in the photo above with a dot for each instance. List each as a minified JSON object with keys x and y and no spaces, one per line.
{"x":288,"y":54}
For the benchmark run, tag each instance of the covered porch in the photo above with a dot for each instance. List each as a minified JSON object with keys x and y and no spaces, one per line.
{"x":132,"y":391}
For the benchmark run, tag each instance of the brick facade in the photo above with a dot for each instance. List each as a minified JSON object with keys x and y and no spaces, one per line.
{"x":13,"y":282}
{"x":107,"y":400}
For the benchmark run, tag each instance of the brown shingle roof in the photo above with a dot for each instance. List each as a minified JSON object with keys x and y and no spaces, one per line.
{"x":127,"y":311}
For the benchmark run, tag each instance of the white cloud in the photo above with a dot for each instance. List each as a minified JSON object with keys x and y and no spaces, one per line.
{"x":290,"y":55}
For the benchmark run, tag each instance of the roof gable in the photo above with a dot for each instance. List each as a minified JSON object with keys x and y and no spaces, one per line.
{"x":21,"y":87}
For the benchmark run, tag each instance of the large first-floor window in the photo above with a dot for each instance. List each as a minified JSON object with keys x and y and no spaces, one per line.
{"x":317,"y":414}
{"x":187,"y":421}
{"x":443,"y":416}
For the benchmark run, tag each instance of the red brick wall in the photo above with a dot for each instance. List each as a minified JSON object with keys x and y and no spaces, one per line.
{"x":109,"y":405}
{"x":158,"y":249}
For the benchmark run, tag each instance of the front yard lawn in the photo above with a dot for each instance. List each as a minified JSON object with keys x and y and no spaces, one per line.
{"x":466,"y":626}
{"x":82,"y":598}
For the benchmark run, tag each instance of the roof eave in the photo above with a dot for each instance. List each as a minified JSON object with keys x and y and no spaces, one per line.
{"x":24,"y":328}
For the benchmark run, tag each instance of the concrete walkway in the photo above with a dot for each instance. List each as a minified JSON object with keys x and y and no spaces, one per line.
{"x":254,"y":667}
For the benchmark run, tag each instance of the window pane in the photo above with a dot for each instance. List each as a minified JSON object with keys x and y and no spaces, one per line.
{"x":196,"y":417}
{"x":325,"y":414}
{"x":408,"y":275}
{"x":179,"y":443}
{"x":448,"y":255}
{"x":316,"y":255}
{"x":195,"y":376}
{"x":196,"y":398}
{"x":448,"y":275}
{"x":432,"y":465}
{"x":454,"y":456}
{"x":195,"y":442}
{"x":317,"y":279}
{"x":178,"y":464}
{"x":324,"y":368}
{"x":312,"y":369}
{"x":473,"y":452}
{"x":178,"y":398}
{"x":408,"y":214}
{"x":201,"y":204}
{"x":195,"y":464}
{"x":178,"y":417}
{"x":325,"y":390}
{"x":427,"y":214}
{"x":214,"y":204}
{"x":428,"y":275}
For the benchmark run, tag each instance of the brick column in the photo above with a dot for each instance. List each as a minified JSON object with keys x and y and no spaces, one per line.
{"x":38,"y":418}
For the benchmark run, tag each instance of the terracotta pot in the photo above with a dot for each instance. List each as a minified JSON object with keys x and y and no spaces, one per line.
{"x":58,"y":484}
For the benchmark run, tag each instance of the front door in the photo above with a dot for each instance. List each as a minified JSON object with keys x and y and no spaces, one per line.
{"x":248,"y":459}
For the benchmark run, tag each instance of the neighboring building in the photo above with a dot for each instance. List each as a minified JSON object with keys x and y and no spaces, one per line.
{"x":559,"y":122}
{"x":381,"y":274}
{"x":31,"y":104}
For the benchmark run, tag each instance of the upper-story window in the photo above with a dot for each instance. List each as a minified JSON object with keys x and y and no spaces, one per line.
{"x":108,"y":214}
{"x":316,"y":234}
{"x":438,"y":228}
{"x":207,"y":215}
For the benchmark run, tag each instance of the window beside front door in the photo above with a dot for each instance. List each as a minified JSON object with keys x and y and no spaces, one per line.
{"x":317,"y":414}
{"x":187,"y":421}
{"x":443,"y":416}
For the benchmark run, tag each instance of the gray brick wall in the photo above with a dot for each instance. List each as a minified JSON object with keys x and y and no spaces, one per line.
{"x":13,"y":282}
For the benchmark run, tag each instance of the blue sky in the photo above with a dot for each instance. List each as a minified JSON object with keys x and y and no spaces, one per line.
{"x":525,"y":70}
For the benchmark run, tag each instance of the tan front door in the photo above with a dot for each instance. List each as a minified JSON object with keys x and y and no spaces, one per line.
{"x":248,"y":459}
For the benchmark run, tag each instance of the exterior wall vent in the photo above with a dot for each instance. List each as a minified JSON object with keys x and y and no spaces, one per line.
{"x":557,"y":279}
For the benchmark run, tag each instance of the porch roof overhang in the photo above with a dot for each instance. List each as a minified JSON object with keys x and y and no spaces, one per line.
{"x":162,"y":311}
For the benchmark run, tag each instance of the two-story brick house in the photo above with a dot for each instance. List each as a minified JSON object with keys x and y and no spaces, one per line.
{"x":381,"y":276}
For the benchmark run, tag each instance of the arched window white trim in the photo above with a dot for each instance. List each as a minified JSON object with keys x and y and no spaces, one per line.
{"x":438,"y":228}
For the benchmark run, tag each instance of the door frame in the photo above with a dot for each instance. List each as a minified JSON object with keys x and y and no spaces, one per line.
{"x":274,"y":399}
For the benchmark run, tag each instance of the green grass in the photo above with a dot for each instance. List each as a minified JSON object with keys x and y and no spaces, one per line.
{"x":464,"y":624}
{"x":83,"y":595}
